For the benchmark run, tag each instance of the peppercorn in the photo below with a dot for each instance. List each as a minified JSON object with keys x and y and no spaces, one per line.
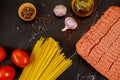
{"x":27,"y":11}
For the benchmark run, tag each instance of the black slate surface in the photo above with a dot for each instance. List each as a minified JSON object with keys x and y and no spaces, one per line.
{"x":15,"y":33}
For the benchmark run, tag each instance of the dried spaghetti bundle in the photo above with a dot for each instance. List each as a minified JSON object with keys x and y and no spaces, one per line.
{"x":47,"y":61}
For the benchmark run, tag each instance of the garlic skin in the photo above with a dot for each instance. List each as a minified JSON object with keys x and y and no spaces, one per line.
{"x":60,"y":10}
{"x":70,"y":23}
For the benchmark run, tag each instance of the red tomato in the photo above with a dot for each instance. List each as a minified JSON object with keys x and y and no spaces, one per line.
{"x":20,"y":58}
{"x":2,"y":54}
{"x":7,"y":72}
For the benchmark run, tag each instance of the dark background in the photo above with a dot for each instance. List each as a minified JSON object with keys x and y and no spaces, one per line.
{"x":15,"y":33}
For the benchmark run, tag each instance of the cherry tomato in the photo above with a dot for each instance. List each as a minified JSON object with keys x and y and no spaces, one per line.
{"x":2,"y":54}
{"x":7,"y":72}
{"x":20,"y":58}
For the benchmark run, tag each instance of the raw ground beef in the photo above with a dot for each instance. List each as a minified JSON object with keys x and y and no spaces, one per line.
{"x":100,"y":46}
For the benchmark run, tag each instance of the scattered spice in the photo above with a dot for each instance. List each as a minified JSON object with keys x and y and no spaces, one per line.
{"x":68,"y":34}
{"x":36,"y":22}
{"x":20,"y":30}
{"x":40,"y":28}
{"x":48,"y":20}
{"x":43,"y":4}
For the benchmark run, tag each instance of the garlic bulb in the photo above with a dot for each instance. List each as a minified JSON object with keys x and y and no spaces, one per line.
{"x":60,"y":10}
{"x":70,"y":23}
